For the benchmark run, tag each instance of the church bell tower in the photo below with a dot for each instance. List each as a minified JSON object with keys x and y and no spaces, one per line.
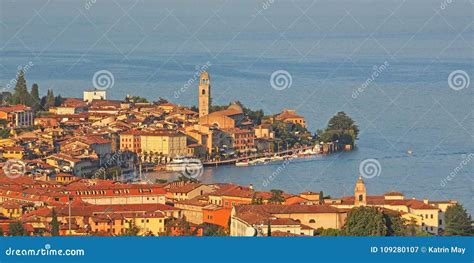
{"x":204,"y":94}
{"x":360,"y":193}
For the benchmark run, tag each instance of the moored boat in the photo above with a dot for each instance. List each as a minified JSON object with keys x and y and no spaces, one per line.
{"x":180,"y":164}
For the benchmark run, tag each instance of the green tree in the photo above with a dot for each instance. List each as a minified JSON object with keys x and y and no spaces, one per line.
{"x":186,"y":179}
{"x":16,"y":229}
{"x":132,"y":229}
{"x":329,"y":232}
{"x":49,"y":100}
{"x":213,"y":230}
{"x":457,"y":221}
{"x":20,"y":94}
{"x":291,"y":134}
{"x":321,"y":197}
{"x":35,"y":99}
{"x":341,"y":128}
{"x":136,"y":99}
{"x":277,"y":196}
{"x":58,"y":100}
{"x":396,"y":225}
{"x":365,"y":221}
{"x":54,"y":223}
{"x":161,"y":101}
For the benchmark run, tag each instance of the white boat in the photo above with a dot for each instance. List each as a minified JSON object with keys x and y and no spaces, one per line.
{"x":263,"y":160}
{"x":180,"y":164}
{"x":278,"y":158}
{"x":242,"y":163}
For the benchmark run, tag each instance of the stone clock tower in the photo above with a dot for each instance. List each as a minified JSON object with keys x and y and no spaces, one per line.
{"x":204,"y":94}
{"x":360,"y":193}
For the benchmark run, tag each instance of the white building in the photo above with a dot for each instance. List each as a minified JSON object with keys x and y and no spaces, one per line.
{"x":90,"y":95}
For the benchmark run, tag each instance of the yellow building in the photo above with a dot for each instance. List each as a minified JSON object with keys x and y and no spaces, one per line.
{"x":13,"y":152}
{"x":290,"y":116}
{"x":166,"y":143}
{"x":11,"y":209}
{"x":149,"y":223}
{"x":167,"y":107}
{"x":6,"y":142}
{"x":429,"y":216}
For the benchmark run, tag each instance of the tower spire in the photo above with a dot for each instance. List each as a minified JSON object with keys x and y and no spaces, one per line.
{"x":360,"y":193}
{"x":204,"y":94}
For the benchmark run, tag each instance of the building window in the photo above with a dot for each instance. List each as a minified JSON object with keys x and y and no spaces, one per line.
{"x":312,"y":221}
{"x":203,"y":92}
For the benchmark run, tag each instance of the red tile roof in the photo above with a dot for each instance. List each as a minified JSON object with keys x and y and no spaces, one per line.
{"x":14,"y":108}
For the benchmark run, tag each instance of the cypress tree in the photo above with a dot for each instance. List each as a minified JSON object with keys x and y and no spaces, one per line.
{"x":54,"y":224}
{"x":20,"y":94}
{"x":49,"y":100}
{"x":35,"y":99}
{"x":16,"y":229}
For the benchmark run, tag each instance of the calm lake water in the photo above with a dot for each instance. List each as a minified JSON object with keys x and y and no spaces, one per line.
{"x":330,"y":49}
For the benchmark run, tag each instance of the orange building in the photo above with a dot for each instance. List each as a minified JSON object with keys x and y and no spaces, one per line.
{"x":130,"y":141}
{"x":216,"y":215}
{"x":243,"y":140}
